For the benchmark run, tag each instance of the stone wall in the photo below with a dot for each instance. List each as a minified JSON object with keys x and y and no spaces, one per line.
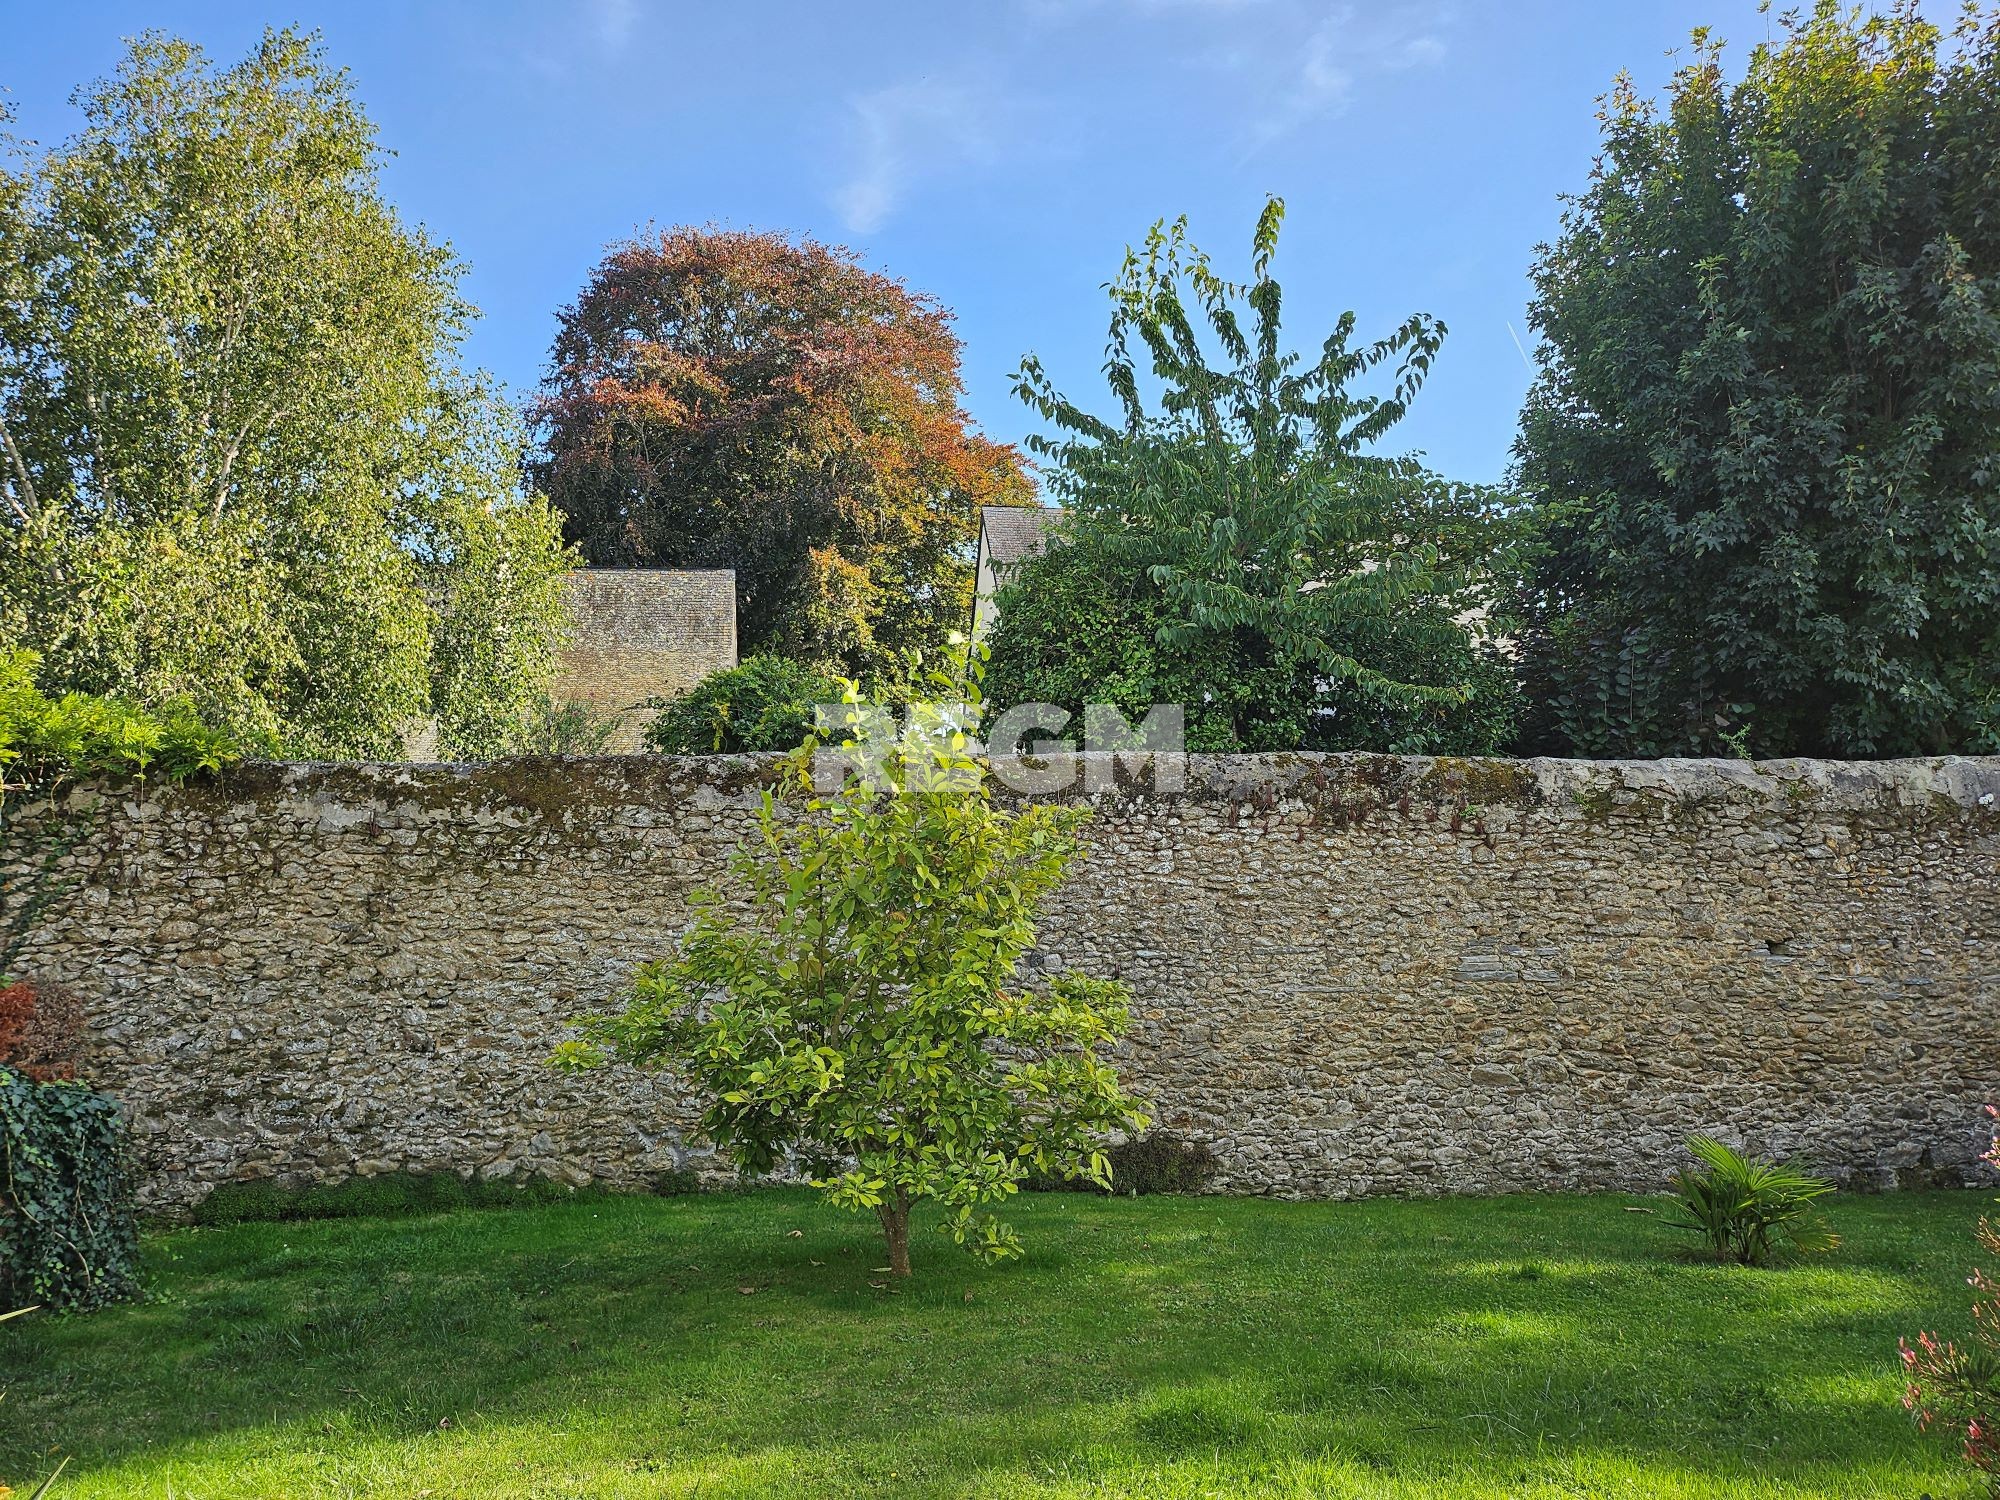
{"x":637,"y":633}
{"x":1353,"y":974}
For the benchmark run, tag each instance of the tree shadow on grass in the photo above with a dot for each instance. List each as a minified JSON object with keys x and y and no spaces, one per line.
{"x":1415,"y":1339}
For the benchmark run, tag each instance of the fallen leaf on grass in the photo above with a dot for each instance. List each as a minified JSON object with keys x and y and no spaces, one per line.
{"x":746,"y":1290}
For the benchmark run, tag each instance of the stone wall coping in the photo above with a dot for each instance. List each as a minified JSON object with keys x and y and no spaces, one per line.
{"x":549,"y":785}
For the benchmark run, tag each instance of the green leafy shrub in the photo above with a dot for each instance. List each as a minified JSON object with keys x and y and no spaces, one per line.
{"x":394,"y":1195}
{"x":67,"y":1237}
{"x":564,"y":727}
{"x":764,"y":703}
{"x":46,"y":741}
{"x":1155,"y":1163}
{"x":1739,"y":1204}
{"x":1161,"y":1163}
{"x":1077,"y":628}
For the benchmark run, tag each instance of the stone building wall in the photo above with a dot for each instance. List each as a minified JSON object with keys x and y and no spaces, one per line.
{"x":637,"y":633}
{"x":1353,"y":974}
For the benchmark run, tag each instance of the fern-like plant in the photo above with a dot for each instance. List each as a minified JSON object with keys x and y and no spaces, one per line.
{"x":1742,"y":1205}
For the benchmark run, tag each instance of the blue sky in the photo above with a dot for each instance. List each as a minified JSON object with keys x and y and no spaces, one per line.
{"x":998,"y":155}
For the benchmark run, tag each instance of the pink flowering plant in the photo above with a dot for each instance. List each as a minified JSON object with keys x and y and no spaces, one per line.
{"x":1957,"y":1388}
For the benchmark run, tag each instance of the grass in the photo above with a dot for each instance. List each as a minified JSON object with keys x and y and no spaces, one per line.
{"x":734,"y":1346}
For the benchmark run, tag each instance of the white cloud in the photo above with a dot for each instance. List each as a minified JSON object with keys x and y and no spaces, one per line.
{"x":1343,"y":48}
{"x":1265,"y":68}
{"x":907,"y":132}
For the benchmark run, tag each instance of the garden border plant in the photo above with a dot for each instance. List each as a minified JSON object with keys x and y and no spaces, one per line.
{"x":68,"y":1239}
{"x":1956,"y":1387}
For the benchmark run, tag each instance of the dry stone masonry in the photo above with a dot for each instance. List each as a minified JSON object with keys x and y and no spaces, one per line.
{"x":1354,"y":974}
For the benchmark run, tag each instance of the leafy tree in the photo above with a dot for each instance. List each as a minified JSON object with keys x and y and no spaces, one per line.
{"x":1072,"y":633}
{"x":860,"y":1011}
{"x":1290,"y":582}
{"x":1765,"y":441}
{"x":238,"y":460}
{"x":720,"y":399}
{"x":764,"y":703}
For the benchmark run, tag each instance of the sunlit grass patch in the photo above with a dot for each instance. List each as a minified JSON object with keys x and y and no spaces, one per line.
{"x":738,"y":1345}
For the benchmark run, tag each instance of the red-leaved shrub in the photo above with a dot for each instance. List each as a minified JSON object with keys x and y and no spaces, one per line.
{"x":41,"y":1029}
{"x":1958,"y":1388}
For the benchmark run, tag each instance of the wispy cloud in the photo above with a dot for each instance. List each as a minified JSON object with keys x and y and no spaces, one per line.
{"x":907,"y":132}
{"x":1268,"y":68}
{"x":1343,"y":48}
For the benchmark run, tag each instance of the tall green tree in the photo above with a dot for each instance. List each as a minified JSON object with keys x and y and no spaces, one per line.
{"x":1764,"y":444}
{"x":728,"y":399}
{"x":1236,"y":543}
{"x":239,"y":461}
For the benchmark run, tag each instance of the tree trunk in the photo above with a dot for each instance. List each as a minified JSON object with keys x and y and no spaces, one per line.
{"x":895,"y":1215}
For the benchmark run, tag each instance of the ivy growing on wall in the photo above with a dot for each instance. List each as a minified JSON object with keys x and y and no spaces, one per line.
{"x":67,"y":1238}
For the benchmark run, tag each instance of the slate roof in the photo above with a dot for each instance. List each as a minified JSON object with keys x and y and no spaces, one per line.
{"x":1016,"y":531}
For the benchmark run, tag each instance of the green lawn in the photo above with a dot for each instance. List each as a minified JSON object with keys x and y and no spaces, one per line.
{"x":736,"y":1345}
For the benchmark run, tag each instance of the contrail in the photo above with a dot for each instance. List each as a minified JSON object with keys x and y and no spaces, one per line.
{"x":1517,"y":344}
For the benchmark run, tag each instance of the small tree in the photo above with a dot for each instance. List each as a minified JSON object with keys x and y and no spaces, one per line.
{"x":860,"y":1015}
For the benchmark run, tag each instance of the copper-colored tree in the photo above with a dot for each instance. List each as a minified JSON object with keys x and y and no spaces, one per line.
{"x":726,"y":399}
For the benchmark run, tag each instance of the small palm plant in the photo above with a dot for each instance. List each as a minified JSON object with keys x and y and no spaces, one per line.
{"x":1741,"y":1204}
